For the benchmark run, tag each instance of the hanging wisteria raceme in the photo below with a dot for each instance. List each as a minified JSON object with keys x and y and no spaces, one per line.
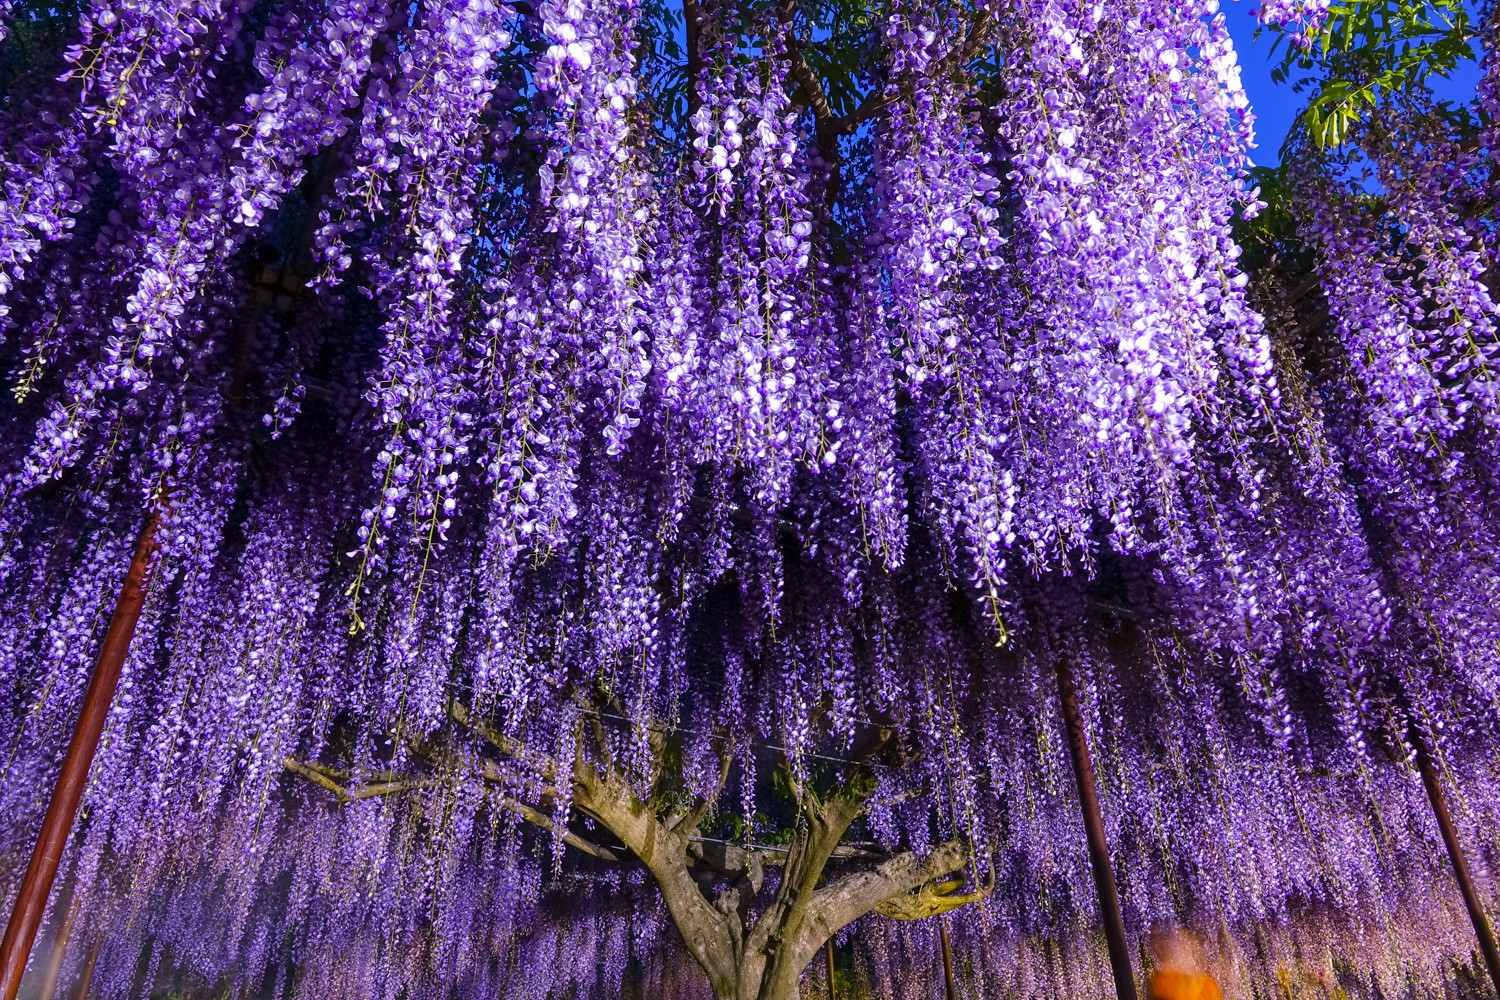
{"x":140,"y":71}
{"x":600,"y":492}
{"x":1411,"y":382}
{"x":937,"y":227}
{"x":313,"y":66}
{"x":1423,"y":202}
{"x":753,"y":376}
{"x":1379,"y":318}
{"x":565,"y":355}
{"x":1487,"y":90}
{"x":194,"y":189}
{"x":433,"y":877}
{"x":430,"y":139}
{"x":1302,"y":19}
{"x":1131,"y":337}
{"x":46,"y":180}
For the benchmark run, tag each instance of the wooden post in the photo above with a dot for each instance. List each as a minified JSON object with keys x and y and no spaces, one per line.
{"x":1477,"y":915}
{"x":947,"y":960}
{"x":1093,"y":825}
{"x":828,"y":950}
{"x":59,"y":949}
{"x":86,"y":977}
{"x":31,"y":901}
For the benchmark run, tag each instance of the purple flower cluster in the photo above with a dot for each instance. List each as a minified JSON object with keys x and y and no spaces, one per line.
{"x":1129,"y":315}
{"x":421,"y":155}
{"x":1304,"y":18}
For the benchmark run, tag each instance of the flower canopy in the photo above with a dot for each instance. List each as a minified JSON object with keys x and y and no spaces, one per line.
{"x":686,"y":392}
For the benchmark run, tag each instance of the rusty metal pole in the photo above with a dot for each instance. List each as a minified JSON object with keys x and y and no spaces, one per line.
{"x":828,"y":950}
{"x":1093,"y":824}
{"x":31,"y":901}
{"x":1477,"y":915}
{"x":947,"y":960}
{"x":59,"y":949}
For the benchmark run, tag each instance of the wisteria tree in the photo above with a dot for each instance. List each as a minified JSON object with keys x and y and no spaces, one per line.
{"x":597,"y":465}
{"x":710,"y":886}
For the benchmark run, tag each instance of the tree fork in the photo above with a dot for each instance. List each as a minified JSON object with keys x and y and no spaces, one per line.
{"x":1472,"y":902}
{"x":1093,"y":824}
{"x":57,"y":824}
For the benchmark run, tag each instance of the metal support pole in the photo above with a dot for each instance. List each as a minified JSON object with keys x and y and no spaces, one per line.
{"x":1466,"y":886}
{"x":947,"y":960}
{"x":86,"y":977}
{"x":59,"y":949}
{"x":31,"y":901}
{"x":828,"y":950}
{"x":1093,"y":824}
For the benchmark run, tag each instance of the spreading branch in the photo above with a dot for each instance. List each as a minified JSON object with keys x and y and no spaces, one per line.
{"x":325,"y":778}
{"x":692,"y":22}
{"x":538,"y":818}
{"x":690,"y":821}
{"x":930,"y":900}
{"x":905,"y":887}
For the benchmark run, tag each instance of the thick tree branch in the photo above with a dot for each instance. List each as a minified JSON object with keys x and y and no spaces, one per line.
{"x":689,"y":822}
{"x":547,"y":766}
{"x":316,"y":777}
{"x":930,"y":897}
{"x":379,"y":788}
{"x":459,"y":713}
{"x":1308,"y":285}
{"x":321,"y":777}
{"x":979,"y":34}
{"x":930,"y":900}
{"x":827,"y":123}
{"x":830,"y":126}
{"x":848,"y":898}
{"x":712,"y":933}
{"x":782,"y":928}
{"x":538,"y":818}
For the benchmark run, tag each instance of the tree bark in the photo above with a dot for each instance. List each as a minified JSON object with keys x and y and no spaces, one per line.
{"x":36,"y":885}
{"x":1093,"y":824}
{"x":765,"y":960}
{"x":1472,"y":902}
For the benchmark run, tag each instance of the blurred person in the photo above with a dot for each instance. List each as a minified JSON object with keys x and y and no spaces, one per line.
{"x":1180,"y":973}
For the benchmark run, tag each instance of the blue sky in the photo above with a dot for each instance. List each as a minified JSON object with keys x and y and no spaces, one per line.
{"x":1274,"y":104}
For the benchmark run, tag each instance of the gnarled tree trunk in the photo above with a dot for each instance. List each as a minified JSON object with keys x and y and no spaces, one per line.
{"x":745,"y":959}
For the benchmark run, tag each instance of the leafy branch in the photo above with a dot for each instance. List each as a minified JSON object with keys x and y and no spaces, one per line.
{"x":1369,"y":49}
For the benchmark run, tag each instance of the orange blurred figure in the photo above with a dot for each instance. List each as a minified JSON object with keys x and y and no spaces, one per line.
{"x":1179,"y":971}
